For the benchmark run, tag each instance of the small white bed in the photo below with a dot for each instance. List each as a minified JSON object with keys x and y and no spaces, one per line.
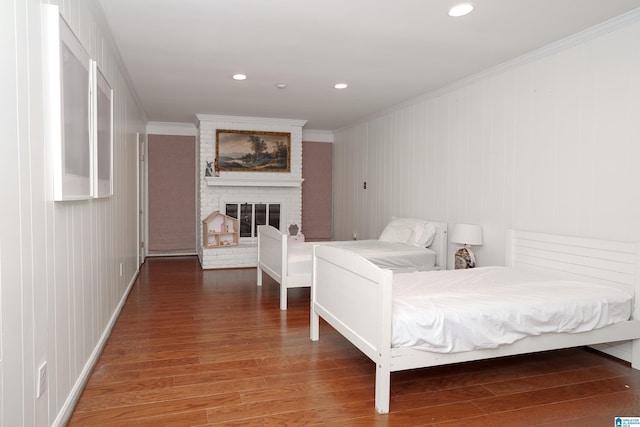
{"x":556,"y":292}
{"x":405,"y":245}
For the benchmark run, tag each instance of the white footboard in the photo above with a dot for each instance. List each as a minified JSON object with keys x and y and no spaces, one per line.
{"x":354,"y":297}
{"x":272,"y":253}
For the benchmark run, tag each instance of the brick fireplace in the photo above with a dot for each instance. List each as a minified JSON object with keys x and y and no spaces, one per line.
{"x":215,"y":193}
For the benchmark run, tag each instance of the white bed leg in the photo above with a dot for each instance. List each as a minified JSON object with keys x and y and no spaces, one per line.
{"x":383,"y":389}
{"x":259,"y":277}
{"x":635,"y":354}
{"x":283,"y":296}
{"x":314,"y":329}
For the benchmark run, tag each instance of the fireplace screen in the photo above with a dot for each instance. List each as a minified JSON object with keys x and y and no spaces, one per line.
{"x":251,"y":215}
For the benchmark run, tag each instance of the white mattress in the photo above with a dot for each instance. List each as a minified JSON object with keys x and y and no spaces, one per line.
{"x":390,"y":255}
{"x":462,"y":310}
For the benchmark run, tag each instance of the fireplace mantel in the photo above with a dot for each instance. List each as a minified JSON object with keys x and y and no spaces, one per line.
{"x":223,"y":181}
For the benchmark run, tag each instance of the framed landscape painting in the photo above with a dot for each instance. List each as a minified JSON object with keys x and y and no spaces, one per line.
{"x":253,"y":151}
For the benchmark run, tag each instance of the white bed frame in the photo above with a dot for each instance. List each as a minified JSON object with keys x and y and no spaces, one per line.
{"x":340,"y":278}
{"x":272,"y":258}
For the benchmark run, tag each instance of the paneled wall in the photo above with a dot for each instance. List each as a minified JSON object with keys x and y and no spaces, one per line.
{"x":549,"y":142}
{"x":65,"y":267}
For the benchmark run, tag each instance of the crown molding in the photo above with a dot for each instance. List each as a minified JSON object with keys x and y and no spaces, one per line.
{"x":253,"y":120}
{"x":171,"y":128}
{"x":314,"y":135}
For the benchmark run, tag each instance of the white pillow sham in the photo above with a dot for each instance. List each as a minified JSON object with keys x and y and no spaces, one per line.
{"x":397,"y":231}
{"x":423,"y":234}
{"x":409,"y":231}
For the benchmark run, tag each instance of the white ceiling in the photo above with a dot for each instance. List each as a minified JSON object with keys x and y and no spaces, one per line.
{"x":181,"y":54}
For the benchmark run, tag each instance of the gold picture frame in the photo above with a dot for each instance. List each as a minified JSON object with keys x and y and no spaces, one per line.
{"x":253,"y":151}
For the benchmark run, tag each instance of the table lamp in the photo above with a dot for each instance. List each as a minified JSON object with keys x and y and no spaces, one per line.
{"x":467,"y":235}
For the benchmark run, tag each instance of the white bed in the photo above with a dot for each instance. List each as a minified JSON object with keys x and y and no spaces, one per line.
{"x":289,"y":262}
{"x":355,"y":297}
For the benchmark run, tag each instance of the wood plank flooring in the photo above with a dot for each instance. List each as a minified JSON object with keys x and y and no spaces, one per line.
{"x":210,"y":348}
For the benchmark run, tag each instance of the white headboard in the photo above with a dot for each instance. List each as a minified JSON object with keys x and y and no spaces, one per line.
{"x":599,"y":261}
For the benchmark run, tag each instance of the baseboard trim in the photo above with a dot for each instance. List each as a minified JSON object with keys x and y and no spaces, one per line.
{"x":70,"y":403}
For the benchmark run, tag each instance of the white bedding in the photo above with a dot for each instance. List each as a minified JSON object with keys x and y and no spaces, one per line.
{"x":462,"y":310}
{"x":390,"y":255}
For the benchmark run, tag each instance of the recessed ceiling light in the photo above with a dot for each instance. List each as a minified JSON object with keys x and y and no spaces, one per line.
{"x":461,"y":9}
{"x":239,"y":77}
{"x":281,"y":85}
{"x":340,"y":86}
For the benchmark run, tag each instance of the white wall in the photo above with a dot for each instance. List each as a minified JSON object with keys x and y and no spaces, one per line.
{"x":60,"y":282}
{"x":550,"y":142}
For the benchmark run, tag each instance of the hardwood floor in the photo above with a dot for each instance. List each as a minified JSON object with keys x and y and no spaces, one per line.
{"x":196,"y":348}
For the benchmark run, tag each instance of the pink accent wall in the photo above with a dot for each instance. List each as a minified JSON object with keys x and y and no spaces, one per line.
{"x":317,"y":160}
{"x":172,"y":194}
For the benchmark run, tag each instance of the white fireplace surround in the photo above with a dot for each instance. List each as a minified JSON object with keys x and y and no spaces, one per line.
{"x":252,"y":187}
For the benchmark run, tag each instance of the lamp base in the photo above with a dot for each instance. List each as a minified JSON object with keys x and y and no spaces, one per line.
{"x":464,"y":258}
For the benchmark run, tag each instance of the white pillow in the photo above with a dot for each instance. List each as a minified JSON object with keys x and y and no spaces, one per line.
{"x":398,"y":230}
{"x":409,"y":231}
{"x":423,"y":234}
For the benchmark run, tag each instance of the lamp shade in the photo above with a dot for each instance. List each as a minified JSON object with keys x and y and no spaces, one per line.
{"x":467,"y":234}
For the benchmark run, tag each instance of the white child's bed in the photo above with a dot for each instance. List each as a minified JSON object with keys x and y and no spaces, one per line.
{"x":406,"y":244}
{"x":556,"y":292}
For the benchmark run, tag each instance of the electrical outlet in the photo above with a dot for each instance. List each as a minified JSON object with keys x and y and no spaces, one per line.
{"x":42,"y":380}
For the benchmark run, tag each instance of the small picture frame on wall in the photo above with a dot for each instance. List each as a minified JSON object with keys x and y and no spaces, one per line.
{"x":103,"y":136}
{"x":253,"y":151}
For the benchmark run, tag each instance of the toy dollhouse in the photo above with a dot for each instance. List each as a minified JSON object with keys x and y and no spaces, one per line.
{"x":220,"y":230}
